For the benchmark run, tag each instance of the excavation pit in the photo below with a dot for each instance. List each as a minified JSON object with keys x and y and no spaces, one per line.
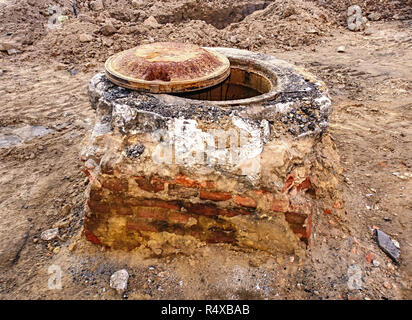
{"x":169,"y":173}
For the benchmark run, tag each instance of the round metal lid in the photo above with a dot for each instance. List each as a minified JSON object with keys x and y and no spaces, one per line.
{"x":166,"y":67}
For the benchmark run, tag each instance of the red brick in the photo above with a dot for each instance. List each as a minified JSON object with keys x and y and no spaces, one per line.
{"x":327,"y":211}
{"x":178,"y":217}
{"x":97,"y":206}
{"x":234,"y":212}
{"x":306,"y":184}
{"x":245,"y":201}
{"x":185,"y":181}
{"x":175,"y":190}
{"x":174,"y":205}
{"x":280,"y":205}
{"x":151,"y":213}
{"x":261,"y":192}
{"x":190,"y":183}
{"x":215,"y":196}
{"x":301,"y":224}
{"x":89,"y":235}
{"x":93,"y":180}
{"x":116,"y":184}
{"x":151,"y":185}
{"x":288,"y":183}
{"x":203,"y":209}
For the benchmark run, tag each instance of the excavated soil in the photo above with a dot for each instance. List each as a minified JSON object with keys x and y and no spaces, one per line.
{"x":45,"y":114}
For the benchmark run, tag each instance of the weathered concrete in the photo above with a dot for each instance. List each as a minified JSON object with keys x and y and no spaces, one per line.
{"x":168,"y":173}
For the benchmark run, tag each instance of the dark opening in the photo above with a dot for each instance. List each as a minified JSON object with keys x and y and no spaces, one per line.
{"x":241,"y":84}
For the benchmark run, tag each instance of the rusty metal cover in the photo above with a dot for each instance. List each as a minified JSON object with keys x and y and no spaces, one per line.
{"x":167,"y":67}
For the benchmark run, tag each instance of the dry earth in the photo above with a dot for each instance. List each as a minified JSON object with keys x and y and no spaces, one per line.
{"x":45,"y":114}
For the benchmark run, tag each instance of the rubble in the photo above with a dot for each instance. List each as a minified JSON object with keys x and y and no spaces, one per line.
{"x":387,"y":245}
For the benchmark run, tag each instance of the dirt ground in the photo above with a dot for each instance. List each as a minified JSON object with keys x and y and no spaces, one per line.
{"x":45,"y":114}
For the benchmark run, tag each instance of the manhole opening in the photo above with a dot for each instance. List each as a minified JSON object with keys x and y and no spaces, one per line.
{"x":240,"y":84}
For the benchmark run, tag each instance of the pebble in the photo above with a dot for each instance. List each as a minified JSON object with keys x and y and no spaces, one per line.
{"x":1,"y":72}
{"x":97,"y":5}
{"x":151,"y":22}
{"x":13,"y":51}
{"x":374,"y":16}
{"x":376,"y":263}
{"x":49,"y":234}
{"x":108,"y":30}
{"x":119,"y":279}
{"x":387,"y":245}
{"x":56,"y":250}
{"x":84,"y":37}
{"x":341,"y":49}
{"x":396,"y":243}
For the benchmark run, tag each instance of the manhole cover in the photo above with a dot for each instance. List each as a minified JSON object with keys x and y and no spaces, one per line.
{"x":166,"y":67}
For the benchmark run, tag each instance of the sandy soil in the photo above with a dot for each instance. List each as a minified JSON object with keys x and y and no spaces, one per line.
{"x":45,"y":114}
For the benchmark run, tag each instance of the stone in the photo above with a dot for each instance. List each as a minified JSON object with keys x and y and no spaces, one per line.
{"x":374,"y":16}
{"x":97,"y":5}
{"x":151,"y":22}
{"x":108,"y":29}
{"x":84,"y":37}
{"x":396,"y":243}
{"x":49,"y":234}
{"x":355,"y":20}
{"x":137,"y":4}
{"x":62,"y":19}
{"x":386,"y":244}
{"x":289,"y":11}
{"x":7,"y":45}
{"x":341,"y":49}
{"x":1,"y":72}
{"x":118,"y":280}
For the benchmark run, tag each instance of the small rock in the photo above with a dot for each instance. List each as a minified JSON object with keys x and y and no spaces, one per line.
{"x":341,"y":49}
{"x":49,"y":234}
{"x":90,"y":164}
{"x":355,"y":20}
{"x":368,"y":32}
{"x":386,"y":244}
{"x":118,"y":280}
{"x":137,"y":4}
{"x":56,"y":250}
{"x":6,"y":45}
{"x":97,"y":5}
{"x":369,"y":257}
{"x":289,"y":11}
{"x":376,"y":263}
{"x":108,"y":29}
{"x":151,"y":22}
{"x":84,"y":37}
{"x":1,"y":72}
{"x":62,"y":19}
{"x":396,"y":243}
{"x":387,"y":285}
{"x":13,"y":51}
{"x":374,"y":16}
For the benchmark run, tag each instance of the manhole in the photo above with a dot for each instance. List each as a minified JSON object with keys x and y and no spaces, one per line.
{"x":166,"y":67}
{"x":244,"y":162}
